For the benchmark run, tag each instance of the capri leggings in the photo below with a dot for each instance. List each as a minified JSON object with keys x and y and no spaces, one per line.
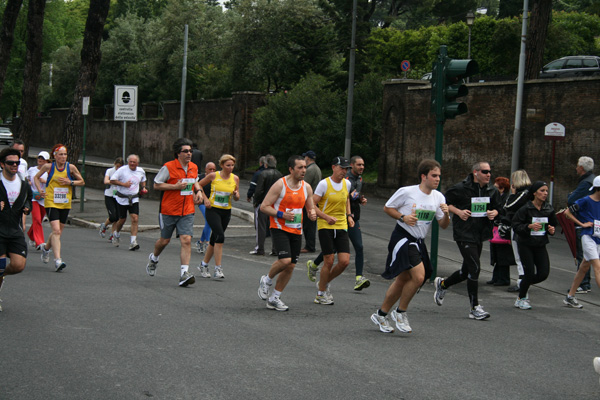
{"x":111,"y":206}
{"x":218,"y":219}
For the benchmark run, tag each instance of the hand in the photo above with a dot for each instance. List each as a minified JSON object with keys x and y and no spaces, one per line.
{"x":588,"y":224}
{"x":351,"y":221}
{"x":330,"y":220}
{"x":64,"y":181}
{"x":1,"y":205}
{"x":491,"y":214}
{"x":312,"y":214}
{"x":26,"y":211}
{"x":207,"y":202}
{"x":363,"y":200}
{"x":410,"y":220}
{"x":288,"y":216}
{"x":127,"y":184}
{"x":464,"y":214}
{"x":180,"y":185}
{"x":143,"y":191}
{"x":43,"y":194}
{"x":551,"y":229}
{"x":249,"y":199}
{"x":444,"y":208}
{"x":536,"y":227}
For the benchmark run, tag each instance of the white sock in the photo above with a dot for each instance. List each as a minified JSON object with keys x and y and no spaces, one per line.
{"x":117,"y":234}
{"x":133,"y":239}
{"x":268,"y":280}
{"x":153,"y":257}
{"x":204,"y":264}
{"x":217,"y":266}
{"x":275,"y":295}
{"x":184,"y":268}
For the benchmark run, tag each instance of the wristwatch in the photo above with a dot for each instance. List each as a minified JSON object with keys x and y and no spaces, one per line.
{"x":402,"y":218}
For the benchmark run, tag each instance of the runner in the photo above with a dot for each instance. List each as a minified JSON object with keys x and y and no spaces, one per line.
{"x":109,"y":199}
{"x":332,"y":199}
{"x":62,"y":176}
{"x":284,"y":203}
{"x":130,"y":183}
{"x":38,"y":212}
{"x":202,"y":244}
{"x":414,"y":207}
{"x":15,"y":200}
{"x":177,"y":179}
{"x":224,"y":186}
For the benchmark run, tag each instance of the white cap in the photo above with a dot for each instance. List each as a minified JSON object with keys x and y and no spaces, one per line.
{"x":45,"y":155}
{"x":596,"y":183}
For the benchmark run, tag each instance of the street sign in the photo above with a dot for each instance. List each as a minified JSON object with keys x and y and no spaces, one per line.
{"x":125,"y":103}
{"x":405,"y":65}
{"x":554,"y":131}
{"x":85,"y":106}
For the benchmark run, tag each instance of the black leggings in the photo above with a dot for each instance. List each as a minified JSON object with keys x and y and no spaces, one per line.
{"x":111,"y":207}
{"x":471,"y":252}
{"x":536,"y":265}
{"x":217,"y":219}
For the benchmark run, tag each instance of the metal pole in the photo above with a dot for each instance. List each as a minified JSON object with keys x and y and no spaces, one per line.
{"x":469,"y":52}
{"x":348,"y":142}
{"x":83,"y":163}
{"x":183,"y":82}
{"x":514,"y":165}
{"x":124,"y":137}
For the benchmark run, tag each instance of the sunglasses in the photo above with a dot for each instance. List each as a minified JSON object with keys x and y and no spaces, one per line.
{"x":11,"y":163}
{"x":186,"y":151}
{"x":486,"y":171}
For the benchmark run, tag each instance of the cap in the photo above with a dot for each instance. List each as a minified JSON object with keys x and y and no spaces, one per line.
{"x":341,"y":161}
{"x":45,"y":155}
{"x":596,"y":183}
{"x":310,"y":154}
{"x":536,"y":185}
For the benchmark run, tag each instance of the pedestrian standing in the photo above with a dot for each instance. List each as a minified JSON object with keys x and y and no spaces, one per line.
{"x":266,"y":179}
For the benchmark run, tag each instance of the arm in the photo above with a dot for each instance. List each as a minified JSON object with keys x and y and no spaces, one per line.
{"x":582,"y":190}
{"x":309,"y":205}
{"x":106,"y":179}
{"x":570,"y":215}
{"x":236,"y":191}
{"x":37,"y":178}
{"x":349,"y":215}
{"x":321,"y":214}
{"x":445,"y":221}
{"x":78,"y":181}
{"x":266,"y":207}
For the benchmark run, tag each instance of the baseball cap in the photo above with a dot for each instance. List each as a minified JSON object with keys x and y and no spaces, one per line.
{"x":596,"y":183}
{"x":44,"y":154}
{"x":341,"y":161}
{"x":310,"y":154}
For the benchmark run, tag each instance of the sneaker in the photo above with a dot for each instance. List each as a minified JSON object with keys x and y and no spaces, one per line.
{"x":581,"y":290}
{"x":324,"y":299}
{"x":151,"y":267}
{"x":401,"y":321}
{"x":110,"y":238}
{"x":32,"y":243}
{"x":277,"y":304}
{"x":440,"y":292}
{"x":199,"y":247}
{"x":597,"y":364}
{"x":204,"y":271}
{"x":45,"y":256}
{"x":218,"y":273}
{"x":102,"y":230}
{"x":572,"y":302}
{"x":327,"y":291}
{"x":382,"y":322}
{"x":523,"y":303}
{"x":263,"y":289}
{"x":479,"y":313}
{"x":312,"y":270}
{"x":134,"y":246}
{"x":186,"y":279}
{"x":59,"y":265}
{"x":361,"y":283}
{"x":256,"y":253}
{"x":115,"y":241}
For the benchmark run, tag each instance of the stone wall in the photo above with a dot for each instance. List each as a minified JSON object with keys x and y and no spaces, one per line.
{"x":486,"y":131}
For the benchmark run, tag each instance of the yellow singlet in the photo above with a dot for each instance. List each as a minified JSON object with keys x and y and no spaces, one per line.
{"x":221,"y":191}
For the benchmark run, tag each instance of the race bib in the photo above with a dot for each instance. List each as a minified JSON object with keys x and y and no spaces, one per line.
{"x":479,"y":206}
{"x":424,"y":217}
{"x":222,"y":199}
{"x":296,"y":223}
{"x":596,"y":228}
{"x":539,"y":220}
{"x":60,"y":195}
{"x":114,"y":192}
{"x":188,"y":190}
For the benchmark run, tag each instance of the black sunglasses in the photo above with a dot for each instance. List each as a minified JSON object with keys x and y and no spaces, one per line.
{"x":9,"y":162}
{"x":186,"y":151}
{"x":486,"y":171}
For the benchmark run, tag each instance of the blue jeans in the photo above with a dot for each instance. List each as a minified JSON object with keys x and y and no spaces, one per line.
{"x":206,"y":231}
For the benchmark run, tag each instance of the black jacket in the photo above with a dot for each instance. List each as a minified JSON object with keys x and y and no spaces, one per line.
{"x":514,"y":202}
{"x":356,"y":183}
{"x":523,"y":218}
{"x":474,"y":230}
{"x":266,"y":179}
{"x":11,"y":217}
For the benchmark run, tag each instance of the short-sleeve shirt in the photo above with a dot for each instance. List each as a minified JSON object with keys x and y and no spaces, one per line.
{"x":111,"y":190}
{"x":589,"y":211}
{"x":426,"y":206}
{"x":125,"y":174}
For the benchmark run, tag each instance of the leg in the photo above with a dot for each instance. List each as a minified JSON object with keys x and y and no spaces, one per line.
{"x":54,"y":239}
{"x":283,"y":269}
{"x":134,"y":224}
{"x":355,"y":236}
{"x":584,"y":267}
{"x":325,"y":271}
{"x":343,"y":262}
{"x":527,"y":259}
{"x":16,"y":265}
{"x":186,"y":249}
{"x":160,"y":245}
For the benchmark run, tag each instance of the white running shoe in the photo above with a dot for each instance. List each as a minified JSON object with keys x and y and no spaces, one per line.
{"x":102,"y":231}
{"x":263,"y":288}
{"x":382,"y":322}
{"x":323,"y":299}
{"x":277,"y":304}
{"x":59,"y":265}
{"x":401,"y":321}
{"x":186,"y":279}
{"x":115,"y":241}
{"x":479,"y":313}
{"x":199,"y":247}
{"x":218,"y":273}
{"x":311,"y":270}
{"x":597,"y":364}
{"x":523,"y":303}
{"x":204,"y":271}
{"x":134,"y":246}
{"x":45,"y":256}
{"x":440,"y":292}
{"x":151,"y":266}
{"x":572,"y":302}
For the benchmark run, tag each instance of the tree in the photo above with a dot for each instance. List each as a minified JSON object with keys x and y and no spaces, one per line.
{"x":536,"y":37}
{"x":11,"y":13}
{"x":88,"y":74}
{"x":33,"y":67}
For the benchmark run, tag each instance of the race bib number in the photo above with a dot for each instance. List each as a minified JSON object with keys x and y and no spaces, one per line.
{"x":539,"y":220}
{"x":296,"y":223}
{"x":479,"y":206}
{"x":188,"y":190}
{"x":596,"y":228}
{"x":60,"y":195}
{"x":425,"y":216}
{"x":222,"y":199}
{"x":114,"y":192}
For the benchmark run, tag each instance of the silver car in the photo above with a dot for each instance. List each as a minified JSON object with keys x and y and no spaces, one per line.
{"x":572,"y":67}
{"x":6,"y":135}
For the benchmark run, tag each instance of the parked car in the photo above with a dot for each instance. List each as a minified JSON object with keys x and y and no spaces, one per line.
{"x":6,"y":135}
{"x":572,"y":67}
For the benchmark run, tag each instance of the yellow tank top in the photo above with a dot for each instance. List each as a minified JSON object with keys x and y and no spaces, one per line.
{"x":57,"y":195}
{"x":221,"y":191}
{"x":333,"y":203}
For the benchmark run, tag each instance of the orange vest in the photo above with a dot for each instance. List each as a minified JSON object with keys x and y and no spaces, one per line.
{"x":173,"y":202}
{"x":292,"y":200}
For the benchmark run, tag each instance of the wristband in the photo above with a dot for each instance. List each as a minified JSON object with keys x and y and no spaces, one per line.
{"x":279,"y":214}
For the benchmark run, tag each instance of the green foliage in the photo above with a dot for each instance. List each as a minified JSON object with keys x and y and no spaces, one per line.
{"x":65,"y":68}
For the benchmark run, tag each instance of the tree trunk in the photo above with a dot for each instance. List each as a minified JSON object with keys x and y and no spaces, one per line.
{"x":11,"y":12}
{"x":33,"y":68}
{"x":541,"y":12}
{"x":88,"y":75}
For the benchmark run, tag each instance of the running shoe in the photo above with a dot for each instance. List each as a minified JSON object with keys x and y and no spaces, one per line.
{"x":218,"y":273}
{"x":199,"y":247}
{"x":479,"y":313}
{"x":263,"y":288}
{"x":277,"y":304}
{"x":324,"y":299}
{"x":327,"y":291}
{"x":312,"y":270}
{"x":361,"y":283}
{"x":151,"y":267}
{"x":440,"y":292}
{"x":102,"y":230}
{"x":59,"y":265}
{"x":45,"y":256}
{"x":115,"y":241}
{"x":597,"y":364}
{"x":186,"y":279}
{"x":401,"y":321}
{"x":382,"y":322}
{"x":110,"y":238}
{"x":204,"y":271}
{"x":134,"y":246}
{"x":32,"y":243}
{"x":572,"y":302}
{"x":523,"y":303}
{"x":581,"y":290}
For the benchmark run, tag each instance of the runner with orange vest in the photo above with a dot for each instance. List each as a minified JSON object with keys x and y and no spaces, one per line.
{"x":284,"y":203}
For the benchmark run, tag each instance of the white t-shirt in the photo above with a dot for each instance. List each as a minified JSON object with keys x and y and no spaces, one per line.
{"x":125,"y":174}
{"x":322,"y":186}
{"x":13,"y":188}
{"x":31,"y":172}
{"x":427,"y":206}
{"x":111,"y":189}
{"x":23,"y":167}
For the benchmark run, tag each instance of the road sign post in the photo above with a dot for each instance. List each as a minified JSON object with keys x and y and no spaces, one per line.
{"x":125,"y":108}
{"x":554,"y":132}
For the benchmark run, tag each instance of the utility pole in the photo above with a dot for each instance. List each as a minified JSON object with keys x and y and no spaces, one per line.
{"x":183,"y":82}
{"x":348,"y":142}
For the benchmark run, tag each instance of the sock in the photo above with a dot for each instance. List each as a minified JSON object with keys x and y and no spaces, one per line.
{"x":383,"y":314}
{"x":268,"y":280}
{"x":321,"y":293}
{"x":133,"y":239}
{"x":102,"y":227}
{"x":117,"y":234}
{"x":184,"y":268}
{"x":153,"y":257}
{"x":204,"y":264}
{"x":399,"y":310}
{"x":217,"y":266}
{"x":275,"y":295}
{"x":358,"y":277}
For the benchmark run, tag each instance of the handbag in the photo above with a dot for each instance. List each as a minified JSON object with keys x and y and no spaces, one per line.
{"x":496,"y":239}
